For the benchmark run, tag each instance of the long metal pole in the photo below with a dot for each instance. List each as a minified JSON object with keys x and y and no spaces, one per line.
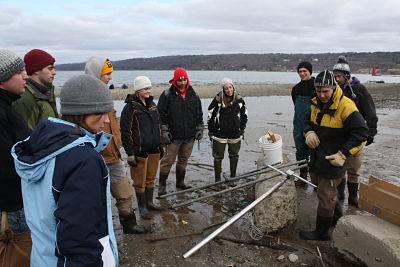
{"x":233,"y":219}
{"x":292,"y":174}
{"x":239,"y":177}
{"x":231,"y":189}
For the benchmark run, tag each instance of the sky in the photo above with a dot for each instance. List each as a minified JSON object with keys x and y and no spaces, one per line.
{"x":73,"y":30}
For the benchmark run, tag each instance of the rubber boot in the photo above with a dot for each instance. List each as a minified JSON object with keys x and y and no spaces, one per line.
{"x":233,"y":166}
{"x":217,"y":169}
{"x":353,"y":194}
{"x":142,"y":204}
{"x":130,"y":226}
{"x":149,"y":200}
{"x":337,"y":214}
{"x":321,"y":231}
{"x":304,"y":175}
{"x":162,"y":185}
{"x":340,"y":189}
{"x":180,"y":180}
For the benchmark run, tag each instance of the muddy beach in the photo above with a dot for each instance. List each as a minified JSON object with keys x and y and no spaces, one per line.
{"x":175,"y":232}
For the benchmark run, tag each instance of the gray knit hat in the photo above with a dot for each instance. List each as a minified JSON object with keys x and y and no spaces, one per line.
{"x":85,"y":94}
{"x":10,"y":64}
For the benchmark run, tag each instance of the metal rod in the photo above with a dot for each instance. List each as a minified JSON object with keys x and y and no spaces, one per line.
{"x":233,"y":219}
{"x":242,"y":176}
{"x":292,"y":174}
{"x":231,"y":189}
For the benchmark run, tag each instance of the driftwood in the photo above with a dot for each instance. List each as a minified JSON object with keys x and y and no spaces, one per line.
{"x":202,"y":166}
{"x":184,"y":235}
{"x":264,"y":242}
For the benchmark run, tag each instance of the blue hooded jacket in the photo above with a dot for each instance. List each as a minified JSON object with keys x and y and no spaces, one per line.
{"x":66,"y":192}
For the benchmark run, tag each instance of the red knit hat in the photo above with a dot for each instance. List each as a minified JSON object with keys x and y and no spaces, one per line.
{"x":179,"y":73}
{"x":36,"y":60}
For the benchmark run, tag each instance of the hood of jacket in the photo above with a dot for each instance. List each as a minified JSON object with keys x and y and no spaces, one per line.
{"x":51,"y":138}
{"x":94,"y":66}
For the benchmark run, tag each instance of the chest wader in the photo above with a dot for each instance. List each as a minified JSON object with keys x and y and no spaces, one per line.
{"x":218,"y":154}
{"x":301,"y":110}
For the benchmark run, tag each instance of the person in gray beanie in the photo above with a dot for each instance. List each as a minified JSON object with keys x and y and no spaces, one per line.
{"x":13,"y":128}
{"x":121,"y":186}
{"x":66,"y":181}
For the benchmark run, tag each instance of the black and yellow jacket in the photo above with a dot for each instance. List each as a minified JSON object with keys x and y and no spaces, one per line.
{"x":339,"y":126}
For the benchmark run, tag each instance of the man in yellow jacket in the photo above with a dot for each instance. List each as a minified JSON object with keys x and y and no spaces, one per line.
{"x":335,"y":131}
{"x":121,"y":188}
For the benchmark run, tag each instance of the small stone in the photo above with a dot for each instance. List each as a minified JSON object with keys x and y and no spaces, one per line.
{"x":281,"y":258}
{"x":293,"y":257}
{"x":378,"y":259}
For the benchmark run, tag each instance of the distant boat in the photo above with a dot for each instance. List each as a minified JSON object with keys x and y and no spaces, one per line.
{"x":374,"y":72}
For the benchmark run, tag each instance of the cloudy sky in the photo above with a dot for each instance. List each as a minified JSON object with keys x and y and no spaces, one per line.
{"x":77,"y":29}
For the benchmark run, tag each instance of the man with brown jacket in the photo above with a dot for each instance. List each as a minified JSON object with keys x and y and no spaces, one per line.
{"x":121,"y":188}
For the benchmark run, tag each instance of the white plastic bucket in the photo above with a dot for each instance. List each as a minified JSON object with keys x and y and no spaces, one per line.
{"x":272,"y":152}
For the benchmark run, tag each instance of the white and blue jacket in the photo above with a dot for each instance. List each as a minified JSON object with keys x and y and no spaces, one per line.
{"x":66,"y":192}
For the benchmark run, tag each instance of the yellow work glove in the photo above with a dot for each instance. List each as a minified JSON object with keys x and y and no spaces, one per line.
{"x":312,"y":139}
{"x":336,"y":159}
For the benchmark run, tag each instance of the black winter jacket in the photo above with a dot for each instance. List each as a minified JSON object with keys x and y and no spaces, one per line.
{"x":364,"y":103}
{"x":227,"y":121}
{"x":303,"y":88}
{"x":339,"y":127}
{"x":181,"y":116}
{"x":13,"y":128}
{"x":140,"y":126}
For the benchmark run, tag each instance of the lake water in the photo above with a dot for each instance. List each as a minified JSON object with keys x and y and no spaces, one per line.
{"x":214,"y":77}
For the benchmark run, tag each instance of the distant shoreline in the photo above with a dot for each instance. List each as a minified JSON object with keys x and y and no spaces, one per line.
{"x":209,"y":91}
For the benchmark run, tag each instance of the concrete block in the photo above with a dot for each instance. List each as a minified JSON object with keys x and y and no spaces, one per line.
{"x":368,"y":239}
{"x":277,"y":210}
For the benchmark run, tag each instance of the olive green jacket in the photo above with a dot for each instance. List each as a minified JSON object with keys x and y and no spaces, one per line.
{"x":34,"y":105}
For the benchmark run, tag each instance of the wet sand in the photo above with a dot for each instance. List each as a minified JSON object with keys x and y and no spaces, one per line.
{"x":273,"y":113}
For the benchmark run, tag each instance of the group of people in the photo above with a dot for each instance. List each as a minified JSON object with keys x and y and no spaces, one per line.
{"x":334,"y":119}
{"x":59,"y":169}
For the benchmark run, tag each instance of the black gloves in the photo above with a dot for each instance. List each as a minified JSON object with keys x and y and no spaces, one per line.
{"x":132,"y":161}
{"x":166,"y":136}
{"x":199,"y":132}
{"x":210,"y":135}
{"x":370,"y":140}
{"x":161,"y":149}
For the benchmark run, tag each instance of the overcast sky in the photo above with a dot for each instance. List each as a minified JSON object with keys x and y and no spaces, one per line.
{"x":74,"y":30}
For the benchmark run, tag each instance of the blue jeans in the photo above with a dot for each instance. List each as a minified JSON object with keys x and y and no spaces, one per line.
{"x":17,"y":222}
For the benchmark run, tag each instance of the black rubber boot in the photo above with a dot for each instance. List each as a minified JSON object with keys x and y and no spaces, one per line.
{"x":353,"y":194}
{"x":233,"y":166}
{"x":130,"y":226}
{"x":149,"y":200}
{"x":337,"y":214}
{"x":340,"y":189}
{"x":162,"y":185}
{"x":142,"y":204}
{"x":217,"y":169}
{"x":304,"y":175}
{"x":180,"y":178}
{"x":321,"y":231}
{"x":233,"y":162}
